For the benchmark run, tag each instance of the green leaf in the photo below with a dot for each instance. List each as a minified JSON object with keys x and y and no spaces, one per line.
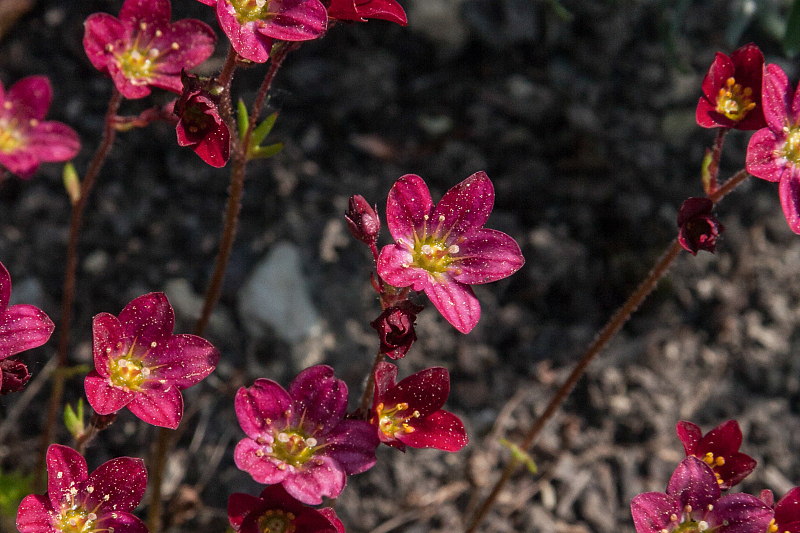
{"x":791,"y":39}
{"x":520,"y":455}
{"x":72,"y":182}
{"x":242,"y":118}
{"x":74,"y":420}
{"x":13,"y":487}
{"x":263,"y":152}
{"x":263,"y":129}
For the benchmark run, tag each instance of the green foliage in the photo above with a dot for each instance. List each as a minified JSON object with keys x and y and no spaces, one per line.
{"x":791,"y":39}
{"x":520,"y":455}
{"x":13,"y":487}
{"x":74,"y":419}
{"x":254,"y":149}
{"x":72,"y":182}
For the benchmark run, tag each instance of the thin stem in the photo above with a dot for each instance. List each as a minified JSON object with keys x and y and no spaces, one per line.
{"x":157,"y":479}
{"x":363,"y":409}
{"x":716,"y":154}
{"x":606,"y":334}
{"x":68,"y":298}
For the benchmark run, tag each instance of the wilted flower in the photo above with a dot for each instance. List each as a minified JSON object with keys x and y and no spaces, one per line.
{"x":444,"y":250}
{"x":142,"y":48}
{"x":200,"y":126}
{"x":774,"y":152}
{"x":77,"y":502}
{"x":360,"y":10}
{"x":395,"y":327}
{"x":251,"y":25}
{"x":410,"y":413}
{"x":732,"y":91}
{"x":719,"y":449}
{"x":276,"y":511}
{"x":25,"y":139}
{"x":300,"y":438}
{"x":141,"y":365}
{"x":699,"y":228}
{"x":693,"y":503}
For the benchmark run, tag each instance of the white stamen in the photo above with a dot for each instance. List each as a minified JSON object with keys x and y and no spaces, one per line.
{"x":311,"y":442}
{"x":283,"y":437}
{"x":453,"y":249}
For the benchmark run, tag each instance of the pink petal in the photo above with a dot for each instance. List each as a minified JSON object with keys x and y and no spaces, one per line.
{"x":101,"y":29}
{"x":790,"y":200}
{"x":104,"y":397}
{"x":109,"y":341}
{"x":652,"y":511}
{"x":297,"y":20}
{"x":464,"y":207}
{"x":383,"y":9}
{"x":66,"y":468}
{"x":425,"y":391}
{"x":725,"y":439}
{"x":310,"y":484}
{"x":263,"y":469}
{"x":775,"y":97}
{"x":239,"y":506}
{"x":484,"y":256}
{"x":787,"y":510}
{"x":441,"y":430}
{"x":261,"y":407}
{"x":408,"y":204}
{"x":53,"y":142}
{"x":718,"y":73}
{"x":185,"y":360}
{"x":123,"y":522}
{"x":707,"y":116}
{"x":126,"y":86}
{"x":23,"y":327}
{"x":195,"y":40}
{"x":736,"y":468}
{"x":20,"y":162}
{"x":391,"y":268}
{"x":152,"y":12}
{"x":30,"y":98}
{"x":689,"y":435}
{"x":693,"y":483}
{"x":739,"y":513}
{"x":121,"y":480}
{"x":5,"y":287}
{"x":163,"y":408}
{"x":761,"y":160}
{"x":385,"y":379}
{"x":320,"y":400}
{"x":34,"y":514}
{"x":148,"y":318}
{"x":455,"y":301}
{"x":245,"y":38}
{"x":353,"y":445}
{"x":330,"y":514}
{"x":215,"y":147}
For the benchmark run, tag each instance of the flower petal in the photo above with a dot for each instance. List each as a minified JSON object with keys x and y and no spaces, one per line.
{"x":739,"y":513}
{"x":66,"y":468}
{"x":441,"y":430}
{"x":262,"y":406}
{"x":455,"y":301}
{"x":396,"y":267}
{"x":720,"y":70}
{"x":382,"y":9}
{"x":689,"y":435}
{"x":320,"y":400}
{"x":23,"y":327}
{"x":353,"y":445}
{"x":790,"y":200}
{"x":119,"y":485}
{"x":33,"y":515}
{"x":244,"y":38}
{"x":101,"y":29}
{"x":408,"y":204}
{"x":53,"y":142}
{"x":185,"y":360}
{"x":464,"y":207}
{"x":30,"y":98}
{"x":693,"y":483}
{"x":20,"y":162}
{"x":484,"y":256}
{"x":775,"y":97}
{"x":263,"y":468}
{"x":109,"y":341}
{"x":787,"y":510}
{"x":163,"y":408}
{"x":240,"y":505}
{"x":151,"y":12}
{"x":652,"y":511}
{"x":5,"y":287}
{"x":310,"y":484}
{"x":297,"y":20}
{"x":424,"y":392}
{"x":104,"y":397}
{"x":123,"y":522}
{"x":148,"y":318}
{"x":761,"y":160}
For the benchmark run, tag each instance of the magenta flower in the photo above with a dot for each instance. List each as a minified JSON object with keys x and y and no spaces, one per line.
{"x":25,"y":139}
{"x":251,"y":25}
{"x":787,"y":511}
{"x":142,"y":48}
{"x":276,"y":510}
{"x":444,"y":250}
{"x":395,"y":327}
{"x":410,"y":413}
{"x":719,"y":449}
{"x":732,"y":91}
{"x":200,"y":126}
{"x":79,"y":502}
{"x":774,"y":152}
{"x":140,"y":364}
{"x":693,"y":503}
{"x":360,"y":10}
{"x":699,"y":228}
{"x":300,"y":438}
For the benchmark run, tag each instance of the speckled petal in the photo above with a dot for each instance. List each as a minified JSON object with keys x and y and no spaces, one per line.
{"x":104,"y":397}
{"x":66,"y":469}
{"x":163,"y":408}
{"x":455,"y":301}
{"x":464,"y":207}
{"x":652,"y":511}
{"x":313,"y":482}
{"x":353,"y":445}
{"x":263,"y":469}
{"x":185,"y":360}
{"x":122,"y":480}
{"x":261,"y":407}
{"x":33,"y":515}
{"x":148,"y":318}
{"x":320,"y":400}
{"x":23,"y":327}
{"x":408,"y":204}
{"x":484,"y":256}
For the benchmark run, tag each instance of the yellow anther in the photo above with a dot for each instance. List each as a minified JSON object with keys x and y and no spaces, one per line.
{"x":33,"y":122}
{"x":159,"y":33}
{"x":719,"y":461}
{"x":407,"y":428}
{"x":174,"y":46}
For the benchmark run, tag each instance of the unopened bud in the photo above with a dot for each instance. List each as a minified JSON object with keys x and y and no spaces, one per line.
{"x":699,"y":228}
{"x":363,"y":220}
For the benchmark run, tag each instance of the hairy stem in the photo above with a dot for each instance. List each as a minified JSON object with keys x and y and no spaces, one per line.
{"x":68,"y":297}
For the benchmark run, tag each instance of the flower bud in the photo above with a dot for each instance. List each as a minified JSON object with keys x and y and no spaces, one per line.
{"x":395,"y":327}
{"x":699,"y":229}
{"x":13,"y":376}
{"x":363,"y":219}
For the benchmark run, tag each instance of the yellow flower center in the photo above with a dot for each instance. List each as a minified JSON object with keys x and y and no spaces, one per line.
{"x":11,"y":137}
{"x":714,"y":462}
{"x":392,"y":420}
{"x":791,"y":150}
{"x":128,"y":371}
{"x":276,"y":521}
{"x":733,"y":101}
{"x":293,"y":448}
{"x":251,"y":10}
{"x":139,"y":61}
{"x":77,"y":521}
{"x":431,"y":253}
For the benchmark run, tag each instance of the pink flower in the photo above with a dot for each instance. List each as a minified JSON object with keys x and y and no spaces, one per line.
{"x":300,"y":438}
{"x":79,"y":502}
{"x":200,"y":126}
{"x":719,"y":448}
{"x":140,"y":364}
{"x":276,"y":510}
{"x":22,"y":326}
{"x":410,"y":413}
{"x":142,"y":48}
{"x":444,"y":250}
{"x":732,"y":91}
{"x":251,"y":25}
{"x":774,"y":152}
{"x":360,"y":10}
{"x":693,"y":503}
{"x":699,"y":228}
{"x":25,"y":140}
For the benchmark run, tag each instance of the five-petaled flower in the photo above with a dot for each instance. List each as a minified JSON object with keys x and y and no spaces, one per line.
{"x":276,"y":511}
{"x":25,"y":139}
{"x":719,"y":448}
{"x":251,"y":25}
{"x":140,"y":364}
{"x":410,"y":413}
{"x":200,"y":126}
{"x":299,"y":437}
{"x":699,"y":228}
{"x":79,"y":502}
{"x":732,"y":91}
{"x":692,"y":503}
{"x":774,"y":152}
{"x":443,"y":250}
{"x":360,"y":10}
{"x":142,"y":48}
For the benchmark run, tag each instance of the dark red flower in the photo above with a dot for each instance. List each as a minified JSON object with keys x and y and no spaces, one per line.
{"x":395,"y":327}
{"x":410,"y":413}
{"x":360,"y":10}
{"x":719,"y":449}
{"x":200,"y":126}
{"x":732,"y":91}
{"x":699,"y":228}
{"x":275,"y":510}
{"x":13,"y":376}
{"x":787,"y":511}
{"x":362,"y":219}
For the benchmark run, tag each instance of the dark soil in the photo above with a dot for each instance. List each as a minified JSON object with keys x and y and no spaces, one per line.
{"x":586,"y":128}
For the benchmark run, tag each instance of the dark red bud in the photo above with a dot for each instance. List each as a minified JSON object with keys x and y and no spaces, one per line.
{"x":699,"y":228}
{"x":363,"y":219}
{"x":395,"y":327}
{"x":13,"y":376}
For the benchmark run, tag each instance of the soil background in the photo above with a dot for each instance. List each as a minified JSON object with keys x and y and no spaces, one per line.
{"x":586,"y":126}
